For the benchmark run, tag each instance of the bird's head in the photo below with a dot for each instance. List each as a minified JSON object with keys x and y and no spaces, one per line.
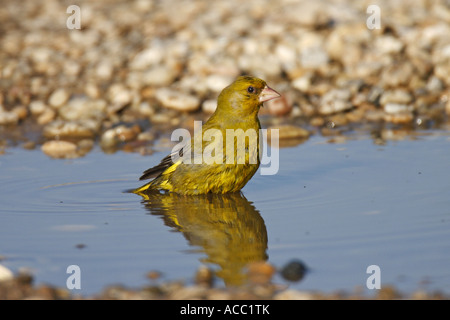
{"x":245,"y":96}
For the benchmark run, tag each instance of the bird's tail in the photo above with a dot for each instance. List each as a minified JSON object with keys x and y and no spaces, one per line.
{"x":143,"y":189}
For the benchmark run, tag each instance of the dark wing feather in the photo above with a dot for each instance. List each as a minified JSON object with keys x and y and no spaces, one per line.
{"x":165,"y":163}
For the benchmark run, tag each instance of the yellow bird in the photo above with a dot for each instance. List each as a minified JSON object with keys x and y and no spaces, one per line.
{"x":215,"y":161}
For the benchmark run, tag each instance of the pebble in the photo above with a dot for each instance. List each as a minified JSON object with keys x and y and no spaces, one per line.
{"x":393,"y":108}
{"x":396,"y":96}
{"x":289,"y":132}
{"x":146,"y":136}
{"x":336,"y":100}
{"x":302,"y":83}
{"x":399,"y":117}
{"x":146,"y":109}
{"x":294,"y":270}
{"x":442,"y":71}
{"x":434,"y":85}
{"x":21,"y":112}
{"x":58,"y":98}
{"x":60,"y":149}
{"x":177,"y":100}
{"x":46,"y":117}
{"x":112,"y":137}
{"x":82,"y":108}
{"x":119,"y":96}
{"x":104,"y":70}
{"x":159,"y":76}
{"x":204,"y":276}
{"x":313,"y":57}
{"x":387,"y":45}
{"x":396,"y":75}
{"x":5,"y":274}
{"x":209,"y":106}
{"x":148,"y":57}
{"x":37,"y":107}
{"x":291,"y":294}
{"x":71,"y":129}
{"x":217,"y":82}
{"x":260,"y":272}
{"x":278,"y":107}
{"x":8,"y":117}
{"x":192,"y":292}
{"x":85,"y":146}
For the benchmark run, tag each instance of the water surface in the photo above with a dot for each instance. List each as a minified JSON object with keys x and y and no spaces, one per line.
{"x":338,"y":207}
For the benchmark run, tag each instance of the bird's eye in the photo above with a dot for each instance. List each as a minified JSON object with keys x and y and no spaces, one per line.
{"x":250,"y":89}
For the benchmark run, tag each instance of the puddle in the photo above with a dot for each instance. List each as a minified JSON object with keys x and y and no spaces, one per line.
{"x":338,"y":207}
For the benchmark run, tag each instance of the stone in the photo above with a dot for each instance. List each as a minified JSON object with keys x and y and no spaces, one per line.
{"x":5,"y":274}
{"x":71,"y":129}
{"x":209,"y":106}
{"x":177,"y":100}
{"x":335,"y":100}
{"x":393,"y":108}
{"x":396,"y":96}
{"x":159,"y":76}
{"x":58,"y":98}
{"x":60,"y":149}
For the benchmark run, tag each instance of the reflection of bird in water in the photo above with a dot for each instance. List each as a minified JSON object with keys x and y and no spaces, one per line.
{"x":227,"y":228}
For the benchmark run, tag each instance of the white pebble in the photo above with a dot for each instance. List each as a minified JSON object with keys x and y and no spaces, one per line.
{"x":59,"y":149}
{"x":177,"y":100}
{"x":209,"y":106}
{"x":335,"y":100}
{"x":58,"y":98}
{"x":5,"y":274}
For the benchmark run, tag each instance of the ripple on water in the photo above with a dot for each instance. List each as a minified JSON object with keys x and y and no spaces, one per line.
{"x":39,"y":196}
{"x":36,"y":184}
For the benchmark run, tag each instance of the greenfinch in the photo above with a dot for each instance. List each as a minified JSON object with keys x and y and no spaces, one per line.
{"x":205,"y":164}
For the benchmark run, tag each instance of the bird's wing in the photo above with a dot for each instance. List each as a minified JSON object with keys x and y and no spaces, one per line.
{"x":186,"y":153}
{"x":174,"y":157}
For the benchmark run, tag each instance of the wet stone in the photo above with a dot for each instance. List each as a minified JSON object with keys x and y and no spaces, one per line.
{"x":294,"y":270}
{"x":260,"y":272}
{"x":289,"y":132}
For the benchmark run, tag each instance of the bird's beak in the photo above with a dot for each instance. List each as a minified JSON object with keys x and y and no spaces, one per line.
{"x":268,"y":94}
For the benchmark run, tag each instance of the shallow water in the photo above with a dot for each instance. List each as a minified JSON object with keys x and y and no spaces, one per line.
{"x":338,"y":207}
